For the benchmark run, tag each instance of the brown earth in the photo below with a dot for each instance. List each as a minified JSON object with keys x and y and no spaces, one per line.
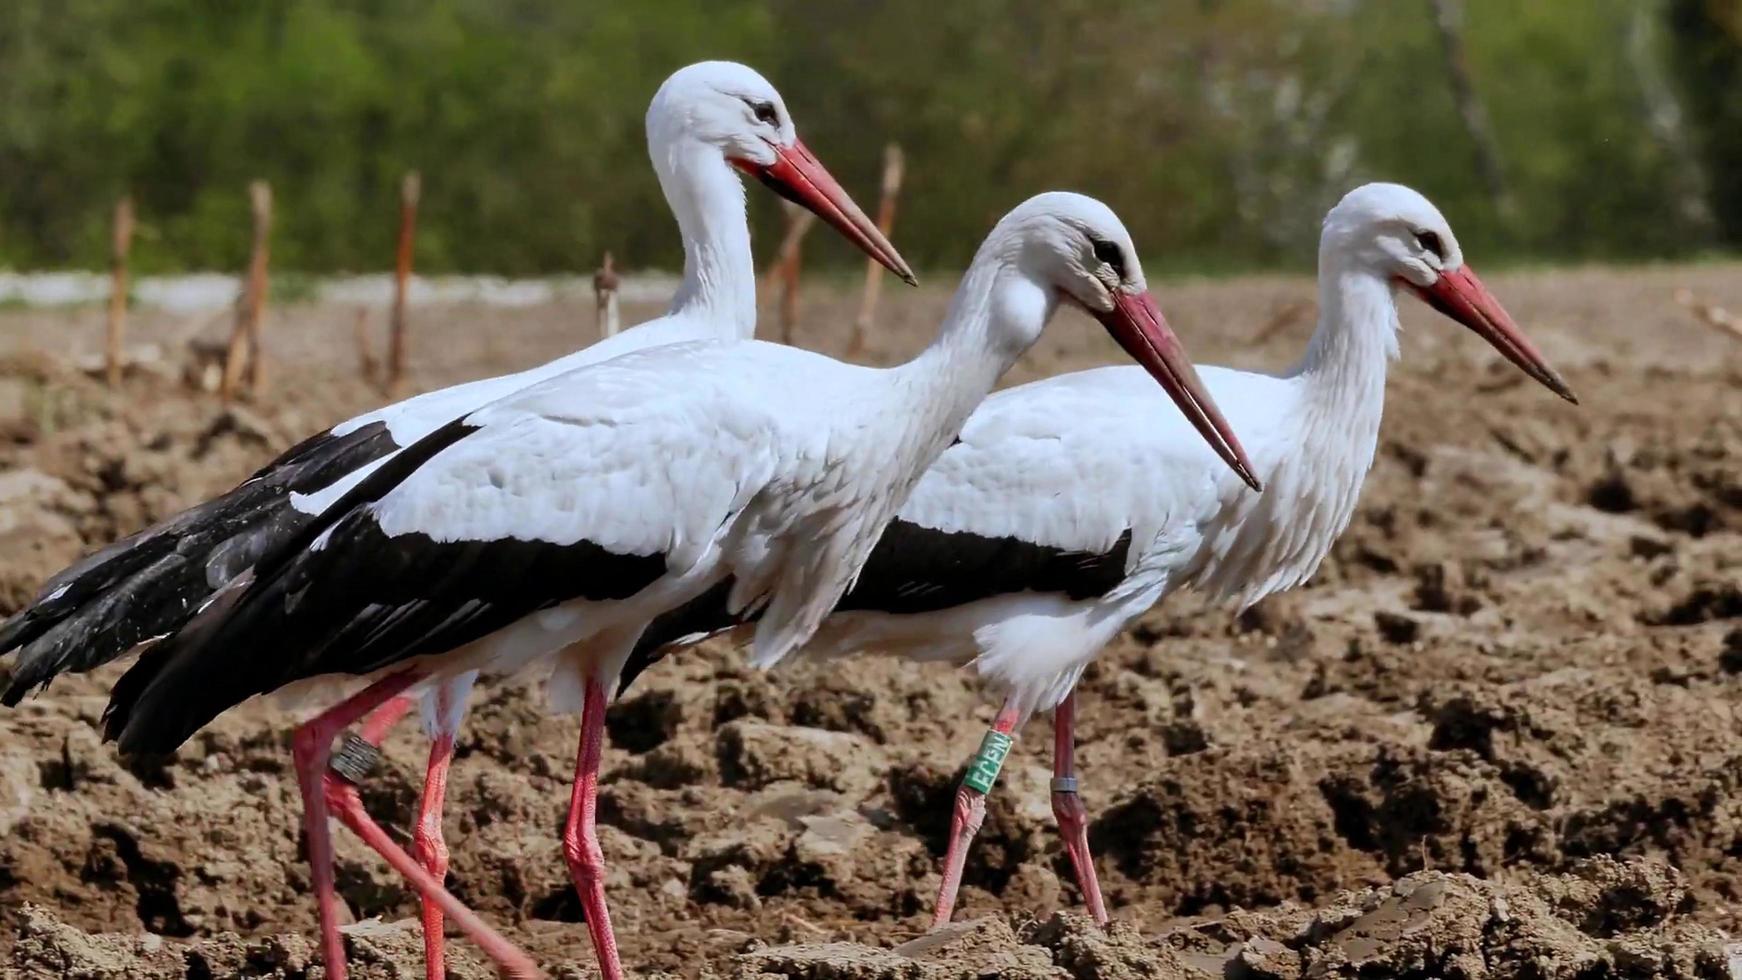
{"x":1497,"y":737}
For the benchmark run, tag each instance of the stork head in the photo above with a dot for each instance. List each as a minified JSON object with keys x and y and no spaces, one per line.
{"x":1076,"y":250}
{"x":730,"y":109}
{"x":1399,"y":236}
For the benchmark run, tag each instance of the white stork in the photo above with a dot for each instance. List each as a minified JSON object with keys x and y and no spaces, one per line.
{"x":556,"y":524}
{"x":705,"y":120}
{"x":1071,"y":506}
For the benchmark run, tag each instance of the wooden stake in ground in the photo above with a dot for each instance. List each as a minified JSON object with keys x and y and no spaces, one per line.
{"x":245,"y":348}
{"x":893,"y":167}
{"x":410,"y":190}
{"x":605,"y":283}
{"x":786,"y":267}
{"x":123,"y":243}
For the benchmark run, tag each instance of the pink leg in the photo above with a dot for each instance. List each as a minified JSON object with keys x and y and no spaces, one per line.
{"x":970,"y":813}
{"x":1067,"y":806}
{"x":312,"y":747}
{"x":581,"y":849}
{"x":432,"y":850}
{"x":427,"y":842}
{"x":379,"y":722}
{"x":349,"y":809}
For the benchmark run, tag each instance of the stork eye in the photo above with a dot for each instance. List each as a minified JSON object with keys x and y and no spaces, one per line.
{"x":765,"y":112}
{"x":1431,"y":241}
{"x":1111,"y":254}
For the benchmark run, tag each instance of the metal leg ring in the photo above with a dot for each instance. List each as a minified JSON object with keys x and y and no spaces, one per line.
{"x":354,"y":759}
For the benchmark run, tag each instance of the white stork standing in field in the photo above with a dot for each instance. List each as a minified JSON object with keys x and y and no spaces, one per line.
{"x":556,"y":524}
{"x":1071,"y":506}
{"x":706,"y":120}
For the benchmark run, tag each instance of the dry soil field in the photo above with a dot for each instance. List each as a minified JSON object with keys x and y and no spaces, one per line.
{"x":1499,"y":736}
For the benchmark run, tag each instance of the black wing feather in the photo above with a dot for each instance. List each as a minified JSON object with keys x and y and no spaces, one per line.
{"x":162,"y":668}
{"x":362,"y":602}
{"x":702,"y":616}
{"x":916,"y":569}
{"x":149,"y":583}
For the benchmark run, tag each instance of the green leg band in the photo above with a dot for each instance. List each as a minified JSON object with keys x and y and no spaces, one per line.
{"x":983,"y":770}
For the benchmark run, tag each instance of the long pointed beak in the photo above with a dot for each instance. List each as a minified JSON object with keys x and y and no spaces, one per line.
{"x":1460,"y":295}
{"x":797,"y":175}
{"x":1137,"y":324}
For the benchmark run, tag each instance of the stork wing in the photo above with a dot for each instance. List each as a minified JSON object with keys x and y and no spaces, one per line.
{"x":589,"y":486}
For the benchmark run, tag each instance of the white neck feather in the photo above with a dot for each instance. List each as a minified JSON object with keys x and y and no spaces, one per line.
{"x":1343,"y":372}
{"x":995,"y":315}
{"x":1342,"y":384}
{"x":1316,"y":459}
{"x":719,"y":272}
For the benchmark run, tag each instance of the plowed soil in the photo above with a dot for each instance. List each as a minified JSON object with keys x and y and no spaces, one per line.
{"x":1499,"y":735}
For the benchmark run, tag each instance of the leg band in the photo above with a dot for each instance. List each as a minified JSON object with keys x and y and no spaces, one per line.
{"x":354,"y":759}
{"x":983,"y":770}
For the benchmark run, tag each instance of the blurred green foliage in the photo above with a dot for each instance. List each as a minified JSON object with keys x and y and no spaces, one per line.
{"x":1221,"y":129}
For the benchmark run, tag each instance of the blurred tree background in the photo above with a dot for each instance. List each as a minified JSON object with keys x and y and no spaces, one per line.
{"x":1557,"y":130}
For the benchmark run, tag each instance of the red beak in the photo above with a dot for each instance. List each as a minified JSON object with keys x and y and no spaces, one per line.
{"x":1461,"y":296}
{"x":1137,"y":324}
{"x":797,"y":175}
